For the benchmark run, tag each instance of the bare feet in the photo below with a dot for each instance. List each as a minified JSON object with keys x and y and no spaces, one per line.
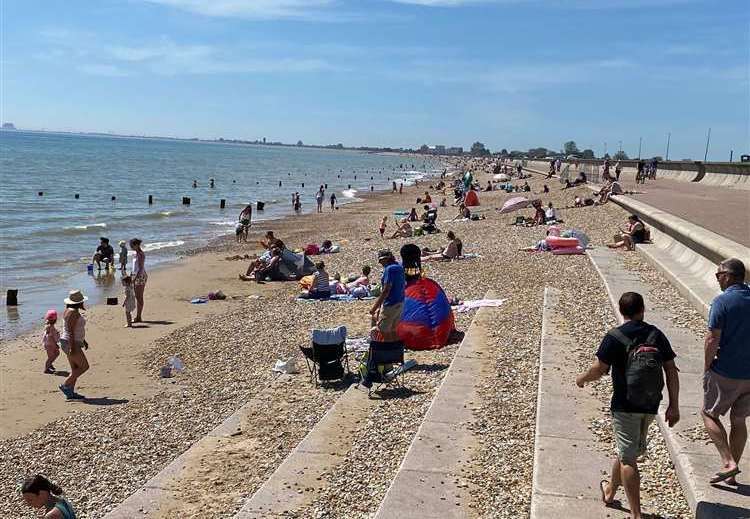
{"x":608,"y":496}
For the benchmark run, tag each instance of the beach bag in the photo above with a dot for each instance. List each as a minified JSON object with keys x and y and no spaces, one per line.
{"x":646,"y":234}
{"x":644,"y":374}
{"x":312,"y":249}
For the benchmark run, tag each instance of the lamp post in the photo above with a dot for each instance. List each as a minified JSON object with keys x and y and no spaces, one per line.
{"x":708,"y":139}
{"x":669,"y":137}
{"x":640,"y":141}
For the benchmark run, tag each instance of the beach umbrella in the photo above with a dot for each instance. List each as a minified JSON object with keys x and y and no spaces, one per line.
{"x":514,"y":204}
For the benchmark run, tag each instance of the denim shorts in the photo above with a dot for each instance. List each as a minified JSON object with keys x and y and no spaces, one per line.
{"x":631,"y":434}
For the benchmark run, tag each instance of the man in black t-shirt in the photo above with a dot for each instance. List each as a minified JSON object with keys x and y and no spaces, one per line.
{"x":104,"y":254}
{"x":630,"y":420}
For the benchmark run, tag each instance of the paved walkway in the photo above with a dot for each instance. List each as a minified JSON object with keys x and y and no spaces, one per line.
{"x":695,"y":460}
{"x":722,"y":210}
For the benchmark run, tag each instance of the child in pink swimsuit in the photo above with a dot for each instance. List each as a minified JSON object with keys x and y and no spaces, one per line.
{"x":50,"y":341}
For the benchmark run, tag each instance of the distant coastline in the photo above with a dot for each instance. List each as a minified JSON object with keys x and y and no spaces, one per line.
{"x":221,"y":140}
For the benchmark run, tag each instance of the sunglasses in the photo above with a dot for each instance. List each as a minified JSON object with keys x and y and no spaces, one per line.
{"x":719,"y":273}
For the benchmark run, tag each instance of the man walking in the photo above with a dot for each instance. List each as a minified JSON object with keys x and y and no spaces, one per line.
{"x":726,"y":381}
{"x":637,"y":352}
{"x":387,"y":308}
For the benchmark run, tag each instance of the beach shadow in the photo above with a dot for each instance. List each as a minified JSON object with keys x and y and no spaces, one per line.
{"x":62,"y":373}
{"x":741,"y":489}
{"x":396,"y":393}
{"x":136,"y":326}
{"x":456,"y":337}
{"x":103,"y":400}
{"x":429,"y":368}
{"x":164,"y":323}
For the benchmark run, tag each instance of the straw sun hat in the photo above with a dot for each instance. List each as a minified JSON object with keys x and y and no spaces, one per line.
{"x":75,"y":297}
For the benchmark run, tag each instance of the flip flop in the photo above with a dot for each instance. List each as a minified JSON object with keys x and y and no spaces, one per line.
{"x":721,"y":476}
{"x":602,"y":484}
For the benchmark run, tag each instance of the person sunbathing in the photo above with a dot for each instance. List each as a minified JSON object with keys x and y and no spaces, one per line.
{"x":361,"y":281}
{"x":272,"y":242}
{"x":452,"y":251}
{"x":634,"y":233}
{"x":260,"y":269}
{"x":463,"y":213}
{"x":403,"y":230}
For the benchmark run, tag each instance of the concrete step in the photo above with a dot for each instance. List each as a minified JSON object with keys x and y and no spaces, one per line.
{"x":429,"y":482}
{"x":567,"y":464}
{"x":299,"y":479}
{"x":695,"y":461}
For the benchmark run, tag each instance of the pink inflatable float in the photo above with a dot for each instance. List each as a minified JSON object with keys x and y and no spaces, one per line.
{"x":558,"y":242}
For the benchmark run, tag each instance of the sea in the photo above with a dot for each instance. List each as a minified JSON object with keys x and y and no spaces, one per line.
{"x":61,"y":192}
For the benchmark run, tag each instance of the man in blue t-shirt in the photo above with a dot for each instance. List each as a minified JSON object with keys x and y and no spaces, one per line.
{"x":387,"y":308}
{"x":726,"y":381}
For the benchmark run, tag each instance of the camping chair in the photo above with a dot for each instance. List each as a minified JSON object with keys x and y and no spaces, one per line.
{"x":327,"y":358}
{"x":383,"y":366}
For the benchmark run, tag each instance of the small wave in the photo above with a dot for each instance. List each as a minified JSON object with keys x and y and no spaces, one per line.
{"x":77,"y":229}
{"x":161,"y":214}
{"x":162,"y":245}
{"x":349,"y":193}
{"x":224,"y":223}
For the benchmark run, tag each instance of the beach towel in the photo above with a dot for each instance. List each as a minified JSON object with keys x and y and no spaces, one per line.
{"x":478,"y":303}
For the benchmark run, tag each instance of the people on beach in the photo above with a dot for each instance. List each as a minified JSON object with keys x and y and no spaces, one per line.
{"x":394,"y":187}
{"x":386,"y":310}
{"x":40,"y":493}
{"x":634,"y":233}
{"x":539,"y":213}
{"x":400,"y":188}
{"x":550,"y":214}
{"x":245,"y":219}
{"x":382,"y":227}
{"x":726,"y":380}
{"x":297,"y":203}
{"x":618,"y":170}
{"x":50,"y":341}
{"x":413,"y":216}
{"x":579,"y":180}
{"x":104,"y":254}
{"x":321,"y":284}
{"x":266,"y":270}
{"x":123,"y":256}
{"x":73,"y":342}
{"x":427,"y":198}
{"x":129,"y":301}
{"x":140,"y":277}
{"x":463,"y":213}
{"x":452,"y":250}
{"x":319,"y":196}
{"x":333,"y":201}
{"x":637,"y":353}
{"x":362,"y":281}
{"x":640,"y":174}
{"x":272,"y":242}
{"x":403,"y":230}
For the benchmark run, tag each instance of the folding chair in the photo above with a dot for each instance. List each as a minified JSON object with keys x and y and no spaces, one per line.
{"x":327,"y":358}
{"x":383,"y":366}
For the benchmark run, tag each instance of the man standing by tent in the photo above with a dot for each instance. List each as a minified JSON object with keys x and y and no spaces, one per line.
{"x":387,"y":308}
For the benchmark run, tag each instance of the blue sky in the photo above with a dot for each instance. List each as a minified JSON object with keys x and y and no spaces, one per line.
{"x":510,"y":73}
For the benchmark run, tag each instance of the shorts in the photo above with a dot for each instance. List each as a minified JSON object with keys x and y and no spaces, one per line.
{"x":65,"y":346}
{"x":631,"y":434}
{"x":389,"y":318}
{"x":140,"y":279}
{"x":721,"y":394}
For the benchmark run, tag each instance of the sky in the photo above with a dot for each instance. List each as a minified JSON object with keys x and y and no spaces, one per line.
{"x":512,"y":74}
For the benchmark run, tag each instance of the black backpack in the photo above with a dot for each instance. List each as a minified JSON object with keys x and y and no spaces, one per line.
{"x":644,"y":376}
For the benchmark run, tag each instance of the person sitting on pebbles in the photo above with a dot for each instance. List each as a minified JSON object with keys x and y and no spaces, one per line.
{"x":450,"y":252}
{"x":259,"y":270}
{"x":403,"y":230}
{"x":634,"y":233}
{"x":463,"y":213}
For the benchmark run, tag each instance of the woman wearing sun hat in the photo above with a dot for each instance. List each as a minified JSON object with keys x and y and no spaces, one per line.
{"x":73,"y":342}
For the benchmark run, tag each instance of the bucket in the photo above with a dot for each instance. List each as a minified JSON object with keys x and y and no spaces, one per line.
{"x":90,"y":267}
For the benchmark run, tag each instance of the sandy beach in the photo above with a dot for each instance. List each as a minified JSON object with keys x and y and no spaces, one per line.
{"x":136,"y":423}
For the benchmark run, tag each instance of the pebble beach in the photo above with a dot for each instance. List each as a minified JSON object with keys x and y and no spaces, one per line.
{"x":101,"y":454}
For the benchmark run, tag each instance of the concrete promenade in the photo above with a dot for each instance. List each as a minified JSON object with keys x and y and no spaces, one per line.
{"x":721,"y":210}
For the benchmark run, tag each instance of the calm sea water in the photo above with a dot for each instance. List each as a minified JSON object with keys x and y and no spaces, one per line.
{"x":47,"y":241}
